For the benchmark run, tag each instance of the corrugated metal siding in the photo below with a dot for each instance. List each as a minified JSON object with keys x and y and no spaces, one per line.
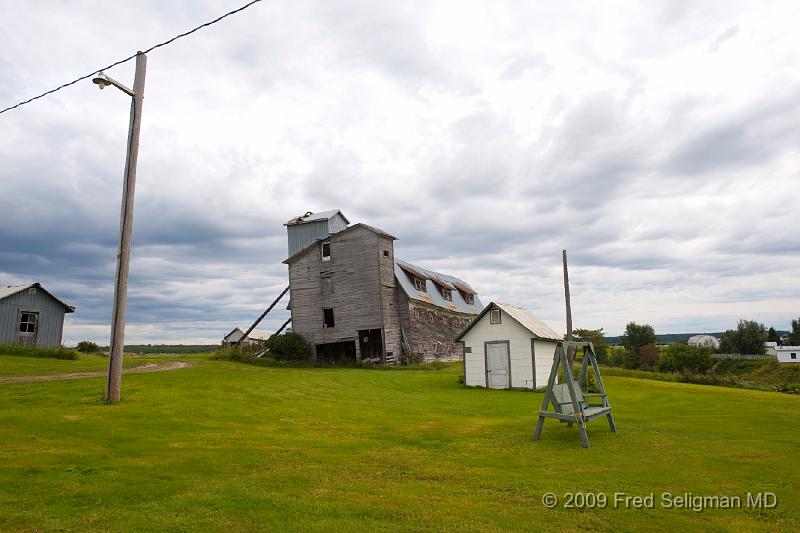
{"x":51,"y":317}
{"x":301,"y":235}
{"x":337,"y":223}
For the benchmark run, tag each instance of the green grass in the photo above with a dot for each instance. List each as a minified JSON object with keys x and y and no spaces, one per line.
{"x":11,"y":365}
{"x":45,"y":353}
{"x":235,"y":447}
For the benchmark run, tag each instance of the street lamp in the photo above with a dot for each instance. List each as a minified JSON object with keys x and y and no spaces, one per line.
{"x":126,"y":224}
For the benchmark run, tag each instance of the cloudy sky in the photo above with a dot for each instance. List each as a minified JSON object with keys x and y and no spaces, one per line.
{"x":658,"y":142}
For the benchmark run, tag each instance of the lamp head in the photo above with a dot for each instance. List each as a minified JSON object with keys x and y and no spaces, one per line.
{"x":101,"y":80}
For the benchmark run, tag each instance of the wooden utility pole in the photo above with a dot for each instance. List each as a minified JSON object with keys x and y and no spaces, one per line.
{"x":126,"y":229}
{"x":570,"y":350}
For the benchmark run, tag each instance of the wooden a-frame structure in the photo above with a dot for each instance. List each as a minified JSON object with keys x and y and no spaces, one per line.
{"x":568,"y":398}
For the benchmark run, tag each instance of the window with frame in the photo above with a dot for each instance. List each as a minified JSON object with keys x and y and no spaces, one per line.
{"x":469,"y":299}
{"x":327,"y":285}
{"x":416,"y":313}
{"x":447,"y":294}
{"x":327,"y":317}
{"x":794,"y":355}
{"x":495,"y":317}
{"x":27,"y":322}
{"x":419,"y":284}
{"x":326,"y":251}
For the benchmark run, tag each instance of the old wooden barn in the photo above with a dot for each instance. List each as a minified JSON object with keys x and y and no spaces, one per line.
{"x":30,"y":315}
{"x":350,"y":298}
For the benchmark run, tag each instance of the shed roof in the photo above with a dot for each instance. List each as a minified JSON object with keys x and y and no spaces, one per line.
{"x":234,"y":335}
{"x":431,"y":295}
{"x":315,"y":217}
{"x":11,"y":290}
{"x":336,"y":236}
{"x":526,"y":319}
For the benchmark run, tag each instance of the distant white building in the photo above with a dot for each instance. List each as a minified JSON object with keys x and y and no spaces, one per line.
{"x":788,"y":354}
{"x":704,"y":340}
{"x":771,"y":348}
{"x":235,"y":337}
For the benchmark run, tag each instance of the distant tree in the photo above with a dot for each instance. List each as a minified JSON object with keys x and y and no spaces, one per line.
{"x":648,"y":356}
{"x":597,"y":338}
{"x":88,"y":347}
{"x":772,"y":335}
{"x":635,"y":337}
{"x":748,"y":337}
{"x":683,"y":358}
{"x":794,"y":336}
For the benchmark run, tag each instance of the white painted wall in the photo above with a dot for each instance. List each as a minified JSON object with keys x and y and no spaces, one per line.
{"x":519,"y":340}
{"x":784,"y":354}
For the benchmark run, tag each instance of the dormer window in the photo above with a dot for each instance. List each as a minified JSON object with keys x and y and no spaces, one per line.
{"x":326,"y":251}
{"x":419,"y":284}
{"x":447,"y":294}
{"x":469,"y":299}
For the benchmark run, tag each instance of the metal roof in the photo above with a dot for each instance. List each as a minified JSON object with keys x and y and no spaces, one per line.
{"x":316,"y":217}
{"x":526,"y":319}
{"x":10,"y":290}
{"x":432,"y":295}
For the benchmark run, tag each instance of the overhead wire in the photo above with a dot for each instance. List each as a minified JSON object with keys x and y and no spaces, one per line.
{"x":121,"y":61}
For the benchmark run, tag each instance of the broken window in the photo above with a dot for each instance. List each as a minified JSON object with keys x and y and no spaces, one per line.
{"x":327,"y":285}
{"x":447,"y":294}
{"x":327,"y":317}
{"x":326,"y":251}
{"x":494,"y":316}
{"x":469,"y":299}
{"x":419,"y":284}
{"x":27,"y":322}
{"x":386,"y":253}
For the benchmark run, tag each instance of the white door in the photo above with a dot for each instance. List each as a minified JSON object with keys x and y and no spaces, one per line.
{"x":497,"y":365}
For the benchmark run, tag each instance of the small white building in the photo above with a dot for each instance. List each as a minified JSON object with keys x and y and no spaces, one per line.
{"x":235,"y":337}
{"x":787,"y":354}
{"x":507,"y":347}
{"x":708,"y":341}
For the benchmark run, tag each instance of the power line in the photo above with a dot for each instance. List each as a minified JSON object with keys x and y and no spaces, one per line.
{"x":121,"y":61}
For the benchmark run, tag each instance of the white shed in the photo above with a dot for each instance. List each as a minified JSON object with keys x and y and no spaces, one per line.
{"x":507,"y":347}
{"x":787,"y":354}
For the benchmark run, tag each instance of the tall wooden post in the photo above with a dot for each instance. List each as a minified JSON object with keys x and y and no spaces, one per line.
{"x":570,"y":350}
{"x":126,"y":229}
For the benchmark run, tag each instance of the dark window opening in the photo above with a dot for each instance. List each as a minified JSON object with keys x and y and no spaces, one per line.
{"x":494,"y":316}
{"x":794,"y":356}
{"x":467,"y":349}
{"x":469,"y":299}
{"x":326,"y":251}
{"x":27,"y":322}
{"x":335,"y":352}
{"x":386,"y":253}
{"x":327,"y":317}
{"x":370,"y":343}
{"x":419,"y":284}
{"x":447,"y":294}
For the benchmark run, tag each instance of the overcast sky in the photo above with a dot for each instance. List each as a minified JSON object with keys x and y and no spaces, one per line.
{"x":658,"y":142}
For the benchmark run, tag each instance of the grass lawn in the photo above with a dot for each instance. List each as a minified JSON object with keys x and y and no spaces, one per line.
{"x":12,"y":365}
{"x":228,"y":446}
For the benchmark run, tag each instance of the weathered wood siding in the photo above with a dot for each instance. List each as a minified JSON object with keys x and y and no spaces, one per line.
{"x":356,"y":299}
{"x":521,"y":353}
{"x":51,"y":317}
{"x":388,"y":287}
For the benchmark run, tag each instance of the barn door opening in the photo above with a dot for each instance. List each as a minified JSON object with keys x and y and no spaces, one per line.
{"x":28,"y":328}
{"x":497,"y":371}
{"x":370,"y":342}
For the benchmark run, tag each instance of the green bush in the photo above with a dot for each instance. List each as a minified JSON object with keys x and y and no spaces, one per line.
{"x":413,"y":358}
{"x":288,"y":347}
{"x":88,"y":347}
{"x":49,"y":353}
{"x":685,"y":359}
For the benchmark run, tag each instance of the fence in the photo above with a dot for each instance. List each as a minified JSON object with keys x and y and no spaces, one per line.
{"x":741,"y":356}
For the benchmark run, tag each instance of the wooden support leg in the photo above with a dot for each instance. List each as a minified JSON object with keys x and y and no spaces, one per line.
{"x":584,"y":436}
{"x":538,"y":432}
{"x":611,"y":423}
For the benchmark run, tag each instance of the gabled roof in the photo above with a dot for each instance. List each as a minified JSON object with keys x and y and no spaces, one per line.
{"x":525,"y":318}
{"x":336,"y":236}
{"x":432,"y":295}
{"x":234,"y":330}
{"x":316,"y":217}
{"x":11,"y":290}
